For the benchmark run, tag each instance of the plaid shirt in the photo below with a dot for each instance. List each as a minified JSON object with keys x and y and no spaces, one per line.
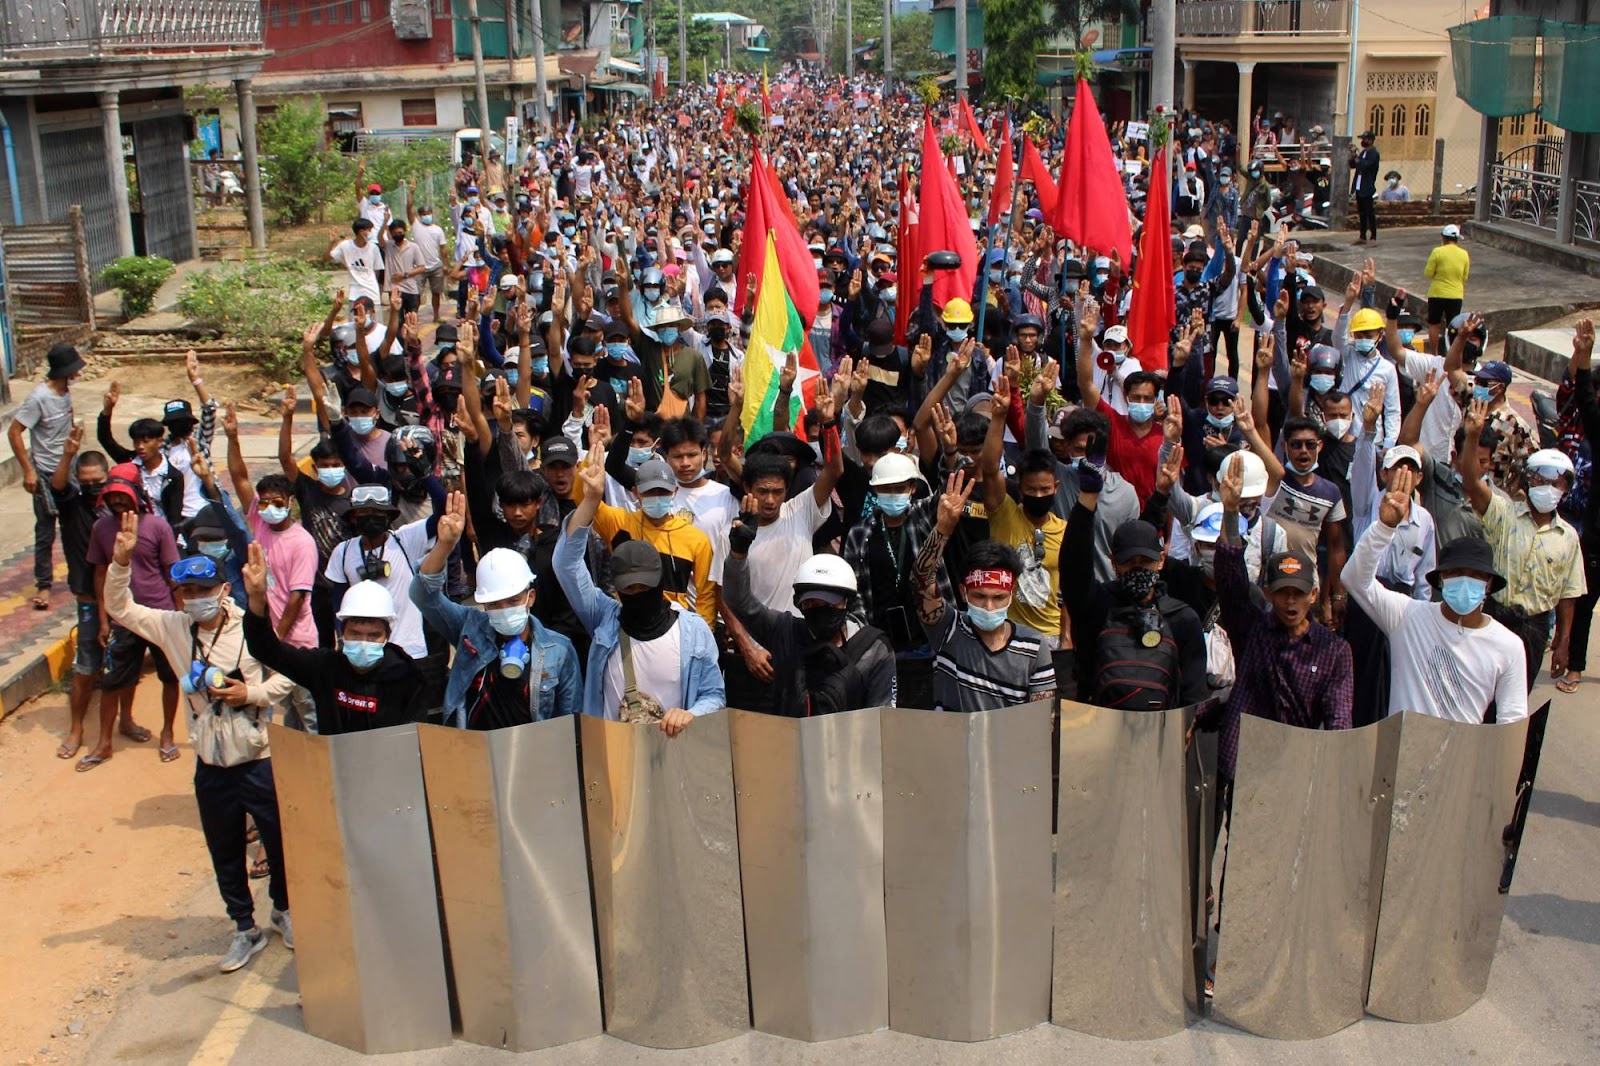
{"x":919,"y":525}
{"x":1305,"y":681}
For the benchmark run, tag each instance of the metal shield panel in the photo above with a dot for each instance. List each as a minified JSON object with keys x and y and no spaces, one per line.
{"x":664,"y":856}
{"x":1304,"y":875}
{"x":966,"y":864}
{"x":1124,"y":968}
{"x":359,"y":861}
{"x":1455,"y":791}
{"x":508,"y":833}
{"x":811,"y":855}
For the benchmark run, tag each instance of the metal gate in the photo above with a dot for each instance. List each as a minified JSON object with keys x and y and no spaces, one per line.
{"x":75,"y":173}
{"x":166,"y":199}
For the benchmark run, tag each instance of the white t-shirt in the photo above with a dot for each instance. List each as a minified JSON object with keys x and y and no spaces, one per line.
{"x":583,"y":179}
{"x":1444,"y":415}
{"x":361,"y":263}
{"x":714,"y":510}
{"x":781,"y":548}
{"x":657,"y":671}
{"x":403,"y":550}
{"x":429,"y":238}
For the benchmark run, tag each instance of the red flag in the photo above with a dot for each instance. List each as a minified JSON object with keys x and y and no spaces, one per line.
{"x":943,"y":226}
{"x":727,"y":121}
{"x":1004,"y":177}
{"x":969,"y":122}
{"x":907,"y":256}
{"x":1152,"y":315}
{"x":1092,"y":208}
{"x":1034,"y":170}
{"x":767,"y":210}
{"x":722,"y":94}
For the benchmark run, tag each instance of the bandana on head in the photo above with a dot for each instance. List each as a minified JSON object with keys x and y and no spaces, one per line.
{"x":999,"y":580}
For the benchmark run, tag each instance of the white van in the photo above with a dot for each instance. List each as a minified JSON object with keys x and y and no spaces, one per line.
{"x":466,"y":143}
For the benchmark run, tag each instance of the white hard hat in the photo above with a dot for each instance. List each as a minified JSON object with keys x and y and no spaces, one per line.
{"x":824,"y":571}
{"x":894,"y":469}
{"x":1551,"y":459}
{"x":1255,"y":474}
{"x":502,"y":573}
{"x":722,"y":255}
{"x":366,"y":599}
{"x":1207,"y":528}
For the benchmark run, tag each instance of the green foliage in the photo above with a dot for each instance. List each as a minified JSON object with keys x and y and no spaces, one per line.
{"x":952,"y":144}
{"x":1013,"y":31}
{"x":265,"y":303}
{"x":912,"y":39}
{"x":304,"y":172}
{"x":748,"y":117}
{"x":704,"y":39}
{"x":139,"y":277}
{"x":1037,"y":128}
{"x":927,"y":91}
{"x":393,"y":165}
{"x":1071,"y":18}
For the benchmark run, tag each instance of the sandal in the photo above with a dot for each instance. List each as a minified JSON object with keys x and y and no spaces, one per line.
{"x":68,"y":752}
{"x":259,"y":869}
{"x":137,"y":733}
{"x":252,"y":834}
{"x":170,"y":754}
{"x":89,"y":762}
{"x":1569,"y":684}
{"x":41,"y":600}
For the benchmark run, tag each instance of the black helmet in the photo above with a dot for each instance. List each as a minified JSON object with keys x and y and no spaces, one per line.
{"x":1026,"y":321}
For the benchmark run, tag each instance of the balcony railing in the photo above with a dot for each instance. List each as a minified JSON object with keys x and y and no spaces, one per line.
{"x":89,"y":28}
{"x":1263,"y":18}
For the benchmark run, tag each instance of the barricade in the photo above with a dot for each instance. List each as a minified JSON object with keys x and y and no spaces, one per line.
{"x":369,"y":954}
{"x":507,"y":819}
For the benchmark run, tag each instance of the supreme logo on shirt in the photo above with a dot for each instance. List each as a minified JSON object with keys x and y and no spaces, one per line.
{"x":356,"y":701}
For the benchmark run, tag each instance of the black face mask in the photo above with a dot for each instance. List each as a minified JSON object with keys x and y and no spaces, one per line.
{"x":717,"y":332}
{"x":823,"y":621}
{"x":645,"y":615}
{"x":373,"y":525}
{"x":1193,"y":276}
{"x":1037,"y":506}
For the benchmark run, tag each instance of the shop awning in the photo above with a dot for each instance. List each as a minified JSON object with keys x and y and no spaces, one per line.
{"x":622,"y":66}
{"x":622,"y":87}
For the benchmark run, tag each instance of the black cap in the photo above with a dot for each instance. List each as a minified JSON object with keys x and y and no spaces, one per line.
{"x":595,"y":323}
{"x":558,"y":449}
{"x":364,"y":397}
{"x":177,"y":411}
{"x":616,"y":329}
{"x":1291,"y":570}
{"x":64,"y":361}
{"x":1135,"y":540}
{"x":880,"y":331}
{"x":1313,"y":292}
{"x":445,"y":334}
{"x":1467,"y":553}
{"x":392,"y":365}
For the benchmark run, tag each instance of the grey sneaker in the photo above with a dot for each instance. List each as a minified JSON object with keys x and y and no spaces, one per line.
{"x":280,"y":922}
{"x":244,"y":948}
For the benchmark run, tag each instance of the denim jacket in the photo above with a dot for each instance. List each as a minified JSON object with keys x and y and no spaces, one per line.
{"x":601,"y":615}
{"x":478,"y":648}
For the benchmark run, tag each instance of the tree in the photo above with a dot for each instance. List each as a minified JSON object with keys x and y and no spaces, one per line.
{"x":912,"y":38}
{"x":704,"y":41}
{"x":1071,"y":18}
{"x":1012,"y":33}
{"x":304,"y":173}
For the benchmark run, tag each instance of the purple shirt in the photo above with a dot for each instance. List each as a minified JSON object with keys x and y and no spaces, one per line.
{"x":1305,"y":681}
{"x":153,"y":556}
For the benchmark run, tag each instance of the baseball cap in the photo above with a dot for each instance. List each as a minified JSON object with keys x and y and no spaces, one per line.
{"x":1291,"y":570}
{"x":653,"y":474}
{"x":1135,"y":540}
{"x":1223,"y":384}
{"x":1495,"y":371}
{"x":1194,"y":233}
{"x":635,"y":563}
{"x":722,"y":255}
{"x":363,"y":396}
{"x":558,"y":450}
{"x":1312,"y":292}
{"x":445,"y":334}
{"x":1401,"y":453}
{"x":1451,"y":231}
{"x":374,"y":187}
{"x":1116,"y":335}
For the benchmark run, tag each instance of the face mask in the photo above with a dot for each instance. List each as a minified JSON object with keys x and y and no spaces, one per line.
{"x":513,"y":375}
{"x":986,"y":621}
{"x":1206,"y":560}
{"x":374,"y":198}
{"x":373,"y":525}
{"x":353,"y":358}
{"x":1544,"y":498}
{"x":1224,"y":181}
{"x":1364,"y":345}
{"x":1338,"y":427}
{"x":894,"y":504}
{"x":273,"y":515}
{"x":1482,"y":393}
{"x":1223,"y":423}
{"x":1193,"y":276}
{"x":214,"y":549}
{"x":717,"y":332}
{"x":639,"y":456}
{"x":1141,"y":412}
{"x":891,"y":293}
{"x":825,"y":296}
{"x":668,"y":334}
{"x":538,"y":367}
{"x":1463,"y":594}
{"x":361,"y":425}
{"x":656,"y":506}
{"x":997,"y":277}
{"x":1138,"y":583}
{"x":956,"y":335}
{"x":652,"y":293}
{"x":1312,"y":469}
{"x":331,"y":476}
{"x":823,"y":621}
{"x":1393,"y":182}
{"x":203,"y":610}
{"x":395,"y":388}
{"x":363,"y":654}
{"x":1321,"y":382}
{"x":569,"y":232}
{"x":426,"y":220}
{"x":509,"y":621}
{"x":1037,"y":506}
{"x":617,"y":349}
{"x":1407,"y":336}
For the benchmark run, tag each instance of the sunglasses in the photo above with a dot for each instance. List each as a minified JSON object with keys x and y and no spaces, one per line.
{"x":1300,"y":445}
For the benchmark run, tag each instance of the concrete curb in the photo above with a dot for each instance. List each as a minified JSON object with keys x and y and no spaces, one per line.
{"x":36,"y":676}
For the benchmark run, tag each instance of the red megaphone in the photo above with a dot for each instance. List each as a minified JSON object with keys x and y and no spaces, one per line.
{"x":1105,"y":361}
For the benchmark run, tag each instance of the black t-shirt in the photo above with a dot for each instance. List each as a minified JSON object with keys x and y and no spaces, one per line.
{"x":76,"y":516}
{"x":495,"y":702}
{"x":322,"y":513}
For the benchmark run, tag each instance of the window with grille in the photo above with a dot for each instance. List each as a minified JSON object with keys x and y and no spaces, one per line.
{"x":1397,"y":121}
{"x":275,"y":15}
{"x":316,"y":12}
{"x":1422,"y":125}
{"x":366,"y":10}
{"x":419,"y":112}
{"x":1519,"y":125}
{"x":1375,"y":121}
{"x":441,"y":9}
{"x":294,"y":12}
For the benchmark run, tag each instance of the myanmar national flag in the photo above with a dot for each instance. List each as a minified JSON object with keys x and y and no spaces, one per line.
{"x":776,"y":332}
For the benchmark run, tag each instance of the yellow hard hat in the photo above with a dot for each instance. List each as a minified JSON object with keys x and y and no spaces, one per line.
{"x":957,"y":311}
{"x":1365,"y":319}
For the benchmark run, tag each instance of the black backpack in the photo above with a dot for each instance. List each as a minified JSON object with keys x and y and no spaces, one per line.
{"x":1131,"y":675}
{"x":834,"y":678}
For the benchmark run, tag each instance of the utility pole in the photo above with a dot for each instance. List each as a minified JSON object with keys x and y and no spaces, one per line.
{"x":541,"y":108}
{"x":513,"y":48}
{"x":961,"y":49}
{"x":1163,"y":51}
{"x":483,"y":88}
{"x":888,"y":47}
{"x":683,"y":48}
{"x":849,"y":38}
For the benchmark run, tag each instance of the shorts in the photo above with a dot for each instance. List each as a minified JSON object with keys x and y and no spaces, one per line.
{"x":1442,"y":310}
{"x":125,"y":660}
{"x":90,"y":657}
{"x":409,"y":302}
{"x":435,"y":280}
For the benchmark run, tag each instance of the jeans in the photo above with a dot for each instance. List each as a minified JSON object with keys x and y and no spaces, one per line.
{"x":44,"y":534}
{"x":1225,"y":330}
{"x":1368,"y":216}
{"x":89,"y":659}
{"x":225,"y":795}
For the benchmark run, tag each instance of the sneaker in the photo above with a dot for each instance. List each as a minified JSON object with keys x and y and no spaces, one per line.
{"x":246,"y":944}
{"x":280,"y":922}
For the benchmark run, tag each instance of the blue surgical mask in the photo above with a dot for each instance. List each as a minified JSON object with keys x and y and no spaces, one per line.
{"x":956,"y":334}
{"x":997,"y":277}
{"x":656,"y":506}
{"x":215,"y":549}
{"x":395,"y":388}
{"x":902,"y":444}
{"x":538,"y":368}
{"x":513,"y":375}
{"x":1321,"y":382}
{"x":273,"y":515}
{"x":1364,"y":345}
{"x":639,"y":456}
{"x":374,"y":198}
{"x":1312,"y":469}
{"x":509,"y":621}
{"x":1407,"y":336}
{"x":1463,"y":594}
{"x":1482,"y":393}
{"x":1224,"y":423}
{"x":617,"y":349}
{"x":569,"y":232}
{"x":361,"y":425}
{"x":894,"y":504}
{"x":985,"y":620}
{"x":824,"y":296}
{"x":331,"y":476}
{"x":668,"y":334}
{"x":652,"y":293}
{"x":1141,"y":412}
{"x":426,"y":220}
{"x":363,"y":654}
{"x":352,"y":357}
